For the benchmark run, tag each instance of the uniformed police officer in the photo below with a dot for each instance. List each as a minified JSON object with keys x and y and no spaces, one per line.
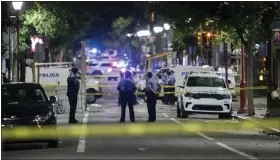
{"x":73,"y":86}
{"x":126,"y":89}
{"x":151,"y":94}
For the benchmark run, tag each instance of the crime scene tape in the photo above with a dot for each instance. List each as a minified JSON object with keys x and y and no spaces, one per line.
{"x":117,"y":93}
{"x":133,"y":129}
{"x":108,"y":86}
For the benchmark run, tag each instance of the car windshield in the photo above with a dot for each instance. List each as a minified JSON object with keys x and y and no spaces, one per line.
{"x":206,"y":82}
{"x":19,"y":95}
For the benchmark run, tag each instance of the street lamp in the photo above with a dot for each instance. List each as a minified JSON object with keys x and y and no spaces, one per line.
{"x":17,"y":6}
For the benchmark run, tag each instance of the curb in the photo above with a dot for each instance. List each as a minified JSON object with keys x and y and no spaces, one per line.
{"x":268,"y":130}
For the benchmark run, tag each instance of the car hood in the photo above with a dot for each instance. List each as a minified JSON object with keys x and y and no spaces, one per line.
{"x":207,"y":90}
{"x":24,"y":110}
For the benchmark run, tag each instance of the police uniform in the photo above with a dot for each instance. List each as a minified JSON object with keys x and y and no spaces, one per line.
{"x":73,"y":86}
{"x":151,"y":94}
{"x":126,"y":88}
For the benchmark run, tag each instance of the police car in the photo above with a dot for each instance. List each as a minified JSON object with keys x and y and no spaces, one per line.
{"x":181,"y":73}
{"x":57,"y":76}
{"x":204,"y":92}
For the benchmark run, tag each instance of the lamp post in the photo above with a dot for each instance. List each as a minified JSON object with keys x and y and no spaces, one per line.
{"x":17,"y":6}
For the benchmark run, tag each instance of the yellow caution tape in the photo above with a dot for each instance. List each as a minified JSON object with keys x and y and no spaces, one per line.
{"x":133,"y":129}
{"x":105,"y":86}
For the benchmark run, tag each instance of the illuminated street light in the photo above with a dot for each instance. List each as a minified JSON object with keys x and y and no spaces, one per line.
{"x":166,"y":26}
{"x":158,"y":29}
{"x":129,"y":35}
{"x":17,"y":5}
{"x":143,"y":33}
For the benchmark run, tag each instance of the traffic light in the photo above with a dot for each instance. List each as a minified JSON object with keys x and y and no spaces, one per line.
{"x":199,"y":38}
{"x":209,"y":36}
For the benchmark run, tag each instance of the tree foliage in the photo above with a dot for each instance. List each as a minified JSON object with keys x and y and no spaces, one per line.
{"x":62,"y":23}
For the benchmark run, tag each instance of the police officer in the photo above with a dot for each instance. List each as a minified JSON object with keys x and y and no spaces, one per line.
{"x":151,"y":94}
{"x":73,"y":86}
{"x":120,"y":78}
{"x":126,"y":88}
{"x":172,"y":89}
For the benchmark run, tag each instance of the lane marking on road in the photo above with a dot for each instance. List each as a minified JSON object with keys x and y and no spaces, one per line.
{"x":212,"y":139}
{"x":82,"y":139}
{"x":235,"y":151}
{"x":165,"y":115}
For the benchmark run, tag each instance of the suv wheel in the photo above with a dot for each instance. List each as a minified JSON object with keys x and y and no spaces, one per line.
{"x":178,"y":110}
{"x":184,"y":113}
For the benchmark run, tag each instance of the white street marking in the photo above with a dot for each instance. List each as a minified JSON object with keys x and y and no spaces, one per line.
{"x":165,"y":115}
{"x":236,"y":151}
{"x":82,"y":141}
{"x":218,"y":143}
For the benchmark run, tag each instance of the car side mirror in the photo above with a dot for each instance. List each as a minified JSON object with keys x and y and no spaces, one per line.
{"x":181,"y":87}
{"x":53,"y":99}
{"x":229,"y":82}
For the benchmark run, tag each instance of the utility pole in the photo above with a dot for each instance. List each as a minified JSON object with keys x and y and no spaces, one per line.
{"x":83,"y":78}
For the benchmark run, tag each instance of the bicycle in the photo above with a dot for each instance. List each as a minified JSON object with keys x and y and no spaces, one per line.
{"x":58,"y":106}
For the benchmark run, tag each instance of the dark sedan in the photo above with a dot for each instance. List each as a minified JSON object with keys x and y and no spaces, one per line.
{"x":26,"y":105}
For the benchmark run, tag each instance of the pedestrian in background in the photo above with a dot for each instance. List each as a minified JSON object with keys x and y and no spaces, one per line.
{"x":119,"y":79}
{"x":127,"y":88}
{"x":151,"y":93}
{"x":73,"y":86}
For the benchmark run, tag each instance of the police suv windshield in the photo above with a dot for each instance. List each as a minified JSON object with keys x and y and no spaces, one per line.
{"x":196,"y":81}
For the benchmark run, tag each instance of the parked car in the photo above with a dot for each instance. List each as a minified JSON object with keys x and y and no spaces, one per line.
{"x":26,"y":105}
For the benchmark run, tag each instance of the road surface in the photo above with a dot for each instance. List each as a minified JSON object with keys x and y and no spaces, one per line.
{"x":228,"y":145}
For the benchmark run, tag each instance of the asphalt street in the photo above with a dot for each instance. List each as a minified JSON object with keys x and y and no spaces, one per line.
{"x":228,"y":145}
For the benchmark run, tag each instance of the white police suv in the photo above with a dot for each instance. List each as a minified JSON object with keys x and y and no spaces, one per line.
{"x":204,"y":92}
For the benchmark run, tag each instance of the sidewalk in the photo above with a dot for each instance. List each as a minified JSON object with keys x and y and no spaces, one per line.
{"x":260,"y":106}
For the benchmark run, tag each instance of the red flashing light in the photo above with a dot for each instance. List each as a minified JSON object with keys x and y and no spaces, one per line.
{"x":209,"y":34}
{"x":88,"y":67}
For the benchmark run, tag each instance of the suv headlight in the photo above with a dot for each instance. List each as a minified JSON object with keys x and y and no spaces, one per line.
{"x":39,"y":118}
{"x":226,"y":96}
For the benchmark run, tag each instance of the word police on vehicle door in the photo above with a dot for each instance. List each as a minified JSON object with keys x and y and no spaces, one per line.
{"x":45,"y":75}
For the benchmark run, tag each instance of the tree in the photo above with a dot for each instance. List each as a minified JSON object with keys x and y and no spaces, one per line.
{"x":251,"y":22}
{"x":62,"y":23}
{"x":123,"y":37}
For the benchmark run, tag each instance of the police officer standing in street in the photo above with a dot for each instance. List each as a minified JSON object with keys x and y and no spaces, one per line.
{"x":151,"y":94}
{"x":127,"y":88}
{"x":73,"y":86}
